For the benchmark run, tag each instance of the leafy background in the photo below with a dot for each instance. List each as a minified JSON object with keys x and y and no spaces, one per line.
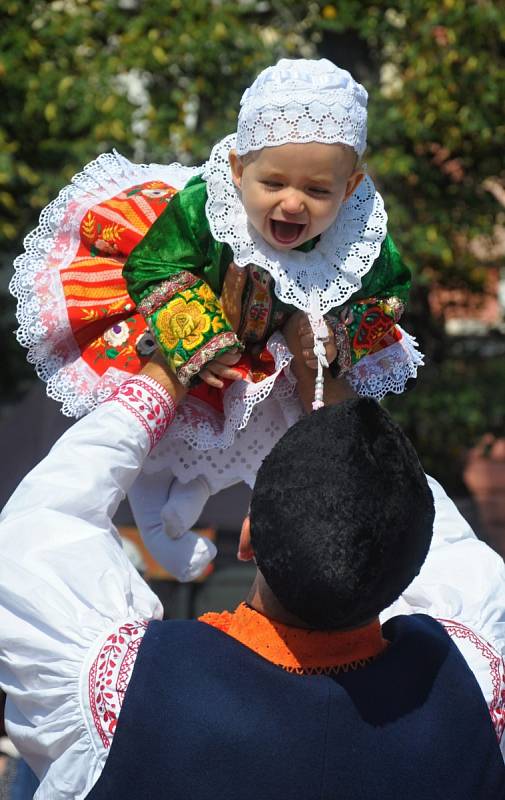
{"x":161,"y":81}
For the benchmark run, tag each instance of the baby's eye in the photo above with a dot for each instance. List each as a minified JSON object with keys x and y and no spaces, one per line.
{"x":272,"y":184}
{"x":319,"y":190}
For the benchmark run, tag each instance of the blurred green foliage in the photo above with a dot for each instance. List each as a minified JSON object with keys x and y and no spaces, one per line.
{"x":459,"y":401}
{"x":162,"y":80}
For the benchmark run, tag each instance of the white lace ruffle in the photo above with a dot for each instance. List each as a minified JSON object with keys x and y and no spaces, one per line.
{"x":388,"y":370}
{"x":200,"y":434}
{"x":42,"y":314}
{"x":336,"y":265}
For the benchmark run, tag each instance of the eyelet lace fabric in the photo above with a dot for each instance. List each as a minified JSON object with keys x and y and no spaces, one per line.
{"x":43,"y":321}
{"x":388,"y":370}
{"x":303,"y":100}
{"x":331,"y":272}
{"x":229,"y":447}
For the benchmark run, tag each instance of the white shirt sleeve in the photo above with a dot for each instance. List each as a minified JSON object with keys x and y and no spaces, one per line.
{"x":68,"y":593}
{"x":462,"y":584}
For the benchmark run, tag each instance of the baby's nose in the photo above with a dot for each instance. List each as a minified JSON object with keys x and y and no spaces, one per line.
{"x":292,"y":203}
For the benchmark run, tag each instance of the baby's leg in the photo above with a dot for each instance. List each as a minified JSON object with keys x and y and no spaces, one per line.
{"x":184,"y":505}
{"x":183,"y":553}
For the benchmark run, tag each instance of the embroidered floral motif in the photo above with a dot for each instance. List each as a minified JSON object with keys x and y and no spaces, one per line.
{"x":164,"y":291}
{"x":372,"y":320}
{"x":148,"y":402}
{"x":496,"y":665}
{"x":117,"y":334}
{"x":192,"y":320}
{"x":182,"y":322}
{"x":109,"y":676}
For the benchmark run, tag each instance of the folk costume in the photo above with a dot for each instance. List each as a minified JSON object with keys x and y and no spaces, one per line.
{"x":106,"y":700}
{"x":171,"y":232}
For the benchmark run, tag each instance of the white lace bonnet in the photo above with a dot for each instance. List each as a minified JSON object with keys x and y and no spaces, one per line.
{"x":302,"y":100}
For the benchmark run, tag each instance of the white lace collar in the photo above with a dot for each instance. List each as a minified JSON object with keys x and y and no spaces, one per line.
{"x":332,"y":271}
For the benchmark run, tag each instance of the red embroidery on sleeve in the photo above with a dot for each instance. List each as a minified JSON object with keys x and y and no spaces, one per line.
{"x":496,"y":670}
{"x":110,"y":675}
{"x":152,"y":406}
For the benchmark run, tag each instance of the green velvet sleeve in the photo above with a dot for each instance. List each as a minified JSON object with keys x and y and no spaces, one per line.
{"x":179,"y":240}
{"x":389,"y":276}
{"x":174,"y":276}
{"x":368,"y":322}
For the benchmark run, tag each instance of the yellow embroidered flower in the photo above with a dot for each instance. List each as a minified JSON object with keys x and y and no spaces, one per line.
{"x":205,"y":292}
{"x":182,"y":323}
{"x":217,"y":324}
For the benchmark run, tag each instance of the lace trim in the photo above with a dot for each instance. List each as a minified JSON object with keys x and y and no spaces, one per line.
{"x":44,"y":328}
{"x":351,"y":666}
{"x":300,"y":121}
{"x":203,"y":428}
{"x":164,"y":291}
{"x":149,"y":403}
{"x":206,"y":354}
{"x":333,"y":269}
{"x":388,"y":370}
{"x":110,"y":675}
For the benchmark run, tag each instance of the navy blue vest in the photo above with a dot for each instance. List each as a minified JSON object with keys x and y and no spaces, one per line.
{"x":204,"y":717}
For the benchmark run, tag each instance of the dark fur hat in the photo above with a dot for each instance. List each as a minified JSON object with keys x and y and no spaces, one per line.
{"x":341,"y":515}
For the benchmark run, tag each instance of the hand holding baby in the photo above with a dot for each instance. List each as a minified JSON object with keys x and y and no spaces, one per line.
{"x":231,"y":301}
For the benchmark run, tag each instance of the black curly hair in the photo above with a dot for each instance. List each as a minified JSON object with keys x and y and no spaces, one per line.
{"x":341,"y":515}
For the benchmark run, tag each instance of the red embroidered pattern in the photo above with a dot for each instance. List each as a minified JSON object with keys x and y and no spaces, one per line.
{"x":109,"y":676}
{"x":148,"y":402}
{"x":496,"y":670}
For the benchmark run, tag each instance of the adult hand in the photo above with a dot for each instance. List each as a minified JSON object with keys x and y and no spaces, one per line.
{"x":335,"y":389}
{"x":231,"y":302}
{"x":158,"y":369}
{"x":306,"y":337}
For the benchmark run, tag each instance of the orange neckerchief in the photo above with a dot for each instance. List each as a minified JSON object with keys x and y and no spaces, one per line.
{"x":298,"y":649}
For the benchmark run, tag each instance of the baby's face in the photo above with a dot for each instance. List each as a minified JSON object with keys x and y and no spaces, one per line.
{"x":293,"y":192}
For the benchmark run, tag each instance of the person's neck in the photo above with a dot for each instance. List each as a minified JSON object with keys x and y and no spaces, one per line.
{"x":261,"y":599}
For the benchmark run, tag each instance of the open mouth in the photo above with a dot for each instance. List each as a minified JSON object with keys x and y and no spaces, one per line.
{"x":286,"y":232}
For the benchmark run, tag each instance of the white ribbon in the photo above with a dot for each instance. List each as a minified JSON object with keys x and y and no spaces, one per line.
{"x":320,"y":331}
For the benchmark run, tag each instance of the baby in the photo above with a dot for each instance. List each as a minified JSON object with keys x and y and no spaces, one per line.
{"x":286,"y":202}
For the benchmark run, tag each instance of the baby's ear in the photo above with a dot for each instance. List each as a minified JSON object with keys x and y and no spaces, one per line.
{"x":353,"y":183}
{"x":237,"y":168}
